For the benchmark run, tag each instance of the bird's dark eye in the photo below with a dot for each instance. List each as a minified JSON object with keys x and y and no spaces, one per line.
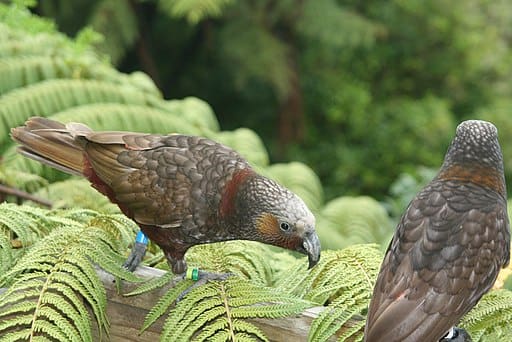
{"x":284,"y":226}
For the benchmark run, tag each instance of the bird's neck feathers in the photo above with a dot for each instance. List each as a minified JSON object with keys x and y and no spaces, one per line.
{"x":229,"y":197}
{"x":477,"y":174}
{"x":246,"y":197}
{"x":475,"y":156}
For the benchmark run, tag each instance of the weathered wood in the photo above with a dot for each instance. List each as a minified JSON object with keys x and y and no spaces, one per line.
{"x":126,"y":314}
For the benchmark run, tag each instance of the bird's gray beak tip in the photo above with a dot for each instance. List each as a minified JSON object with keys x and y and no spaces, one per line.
{"x":312,"y":261}
{"x":312,"y":246}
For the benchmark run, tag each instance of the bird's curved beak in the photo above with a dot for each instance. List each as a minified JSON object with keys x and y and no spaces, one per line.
{"x":311,"y":245}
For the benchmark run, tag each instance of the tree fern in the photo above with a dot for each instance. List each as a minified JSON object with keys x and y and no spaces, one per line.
{"x":50,"y":96}
{"x":194,"y":10}
{"x":76,"y":193}
{"x":347,"y":220}
{"x":220,"y":309}
{"x":18,"y":16}
{"x":246,"y":142}
{"x":21,"y":180}
{"x":117,"y":22}
{"x":127,"y":117}
{"x":300,"y":179}
{"x":490,"y":319}
{"x":46,"y":287}
{"x":344,"y":281}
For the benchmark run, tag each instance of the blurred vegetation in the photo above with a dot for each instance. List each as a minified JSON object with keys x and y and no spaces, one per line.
{"x":360,"y":91}
{"x":355,"y":102}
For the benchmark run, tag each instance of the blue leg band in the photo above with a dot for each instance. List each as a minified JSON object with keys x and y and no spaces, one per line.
{"x":141,"y":237}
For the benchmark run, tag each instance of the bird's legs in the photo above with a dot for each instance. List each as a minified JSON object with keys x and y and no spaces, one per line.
{"x":176,"y":262}
{"x":201,"y":278}
{"x":179,"y":267}
{"x":137,"y":253}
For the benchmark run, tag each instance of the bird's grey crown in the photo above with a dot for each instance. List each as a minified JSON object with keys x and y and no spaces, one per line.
{"x":475,"y":141}
{"x":261,"y":194}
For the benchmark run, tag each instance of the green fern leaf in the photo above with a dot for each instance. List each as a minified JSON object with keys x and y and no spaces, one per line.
{"x":48,"y":285}
{"x":490,"y":317}
{"x":231,"y":257}
{"x":164,"y":302}
{"x":194,"y":10}
{"x":300,"y":179}
{"x":346,"y":221}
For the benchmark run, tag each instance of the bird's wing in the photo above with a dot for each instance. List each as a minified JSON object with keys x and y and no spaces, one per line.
{"x":444,"y":256}
{"x":149,"y":179}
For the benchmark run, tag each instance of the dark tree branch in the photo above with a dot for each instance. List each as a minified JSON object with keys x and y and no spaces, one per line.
{"x":20,"y":194}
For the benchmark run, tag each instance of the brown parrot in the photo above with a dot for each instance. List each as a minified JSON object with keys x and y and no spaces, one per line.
{"x":449,"y":245}
{"x":181,"y":190}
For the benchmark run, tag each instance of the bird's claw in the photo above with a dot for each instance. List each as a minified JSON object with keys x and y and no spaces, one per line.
{"x":136,"y":255}
{"x":203,"y":277}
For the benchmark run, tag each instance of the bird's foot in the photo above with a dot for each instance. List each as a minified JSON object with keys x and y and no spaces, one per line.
{"x":137,"y":253}
{"x":456,"y":335}
{"x":201,"y":278}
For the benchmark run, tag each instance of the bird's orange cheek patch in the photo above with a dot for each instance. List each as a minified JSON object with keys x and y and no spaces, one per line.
{"x":268,"y":227}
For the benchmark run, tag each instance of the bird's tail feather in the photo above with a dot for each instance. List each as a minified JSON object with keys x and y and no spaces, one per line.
{"x":52,"y":143}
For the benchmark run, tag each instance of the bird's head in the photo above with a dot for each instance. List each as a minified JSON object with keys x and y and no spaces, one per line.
{"x":475,"y":141}
{"x":474,"y":155}
{"x":276,"y":216}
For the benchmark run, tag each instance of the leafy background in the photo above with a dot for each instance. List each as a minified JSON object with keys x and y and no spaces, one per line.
{"x":353,"y":105}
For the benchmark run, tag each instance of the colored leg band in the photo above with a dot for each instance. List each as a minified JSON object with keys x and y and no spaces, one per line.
{"x":141,"y":237}
{"x":192,"y":273}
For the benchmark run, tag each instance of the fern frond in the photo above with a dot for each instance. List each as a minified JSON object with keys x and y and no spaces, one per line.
{"x":223,"y":307}
{"x":21,"y":180}
{"x":246,"y":142}
{"x":246,"y":259}
{"x":22,"y":223}
{"x":47,"y":287}
{"x":346,"y":221}
{"x":342,"y":279}
{"x":22,"y":70}
{"x":76,"y":193}
{"x":491,"y":317}
{"x":194,"y":10}
{"x":127,"y":117}
{"x":300,"y":179}
{"x":6,"y":253}
{"x":15,"y":42}
{"x":20,"y":18}
{"x":163,"y":304}
{"x":50,"y":96}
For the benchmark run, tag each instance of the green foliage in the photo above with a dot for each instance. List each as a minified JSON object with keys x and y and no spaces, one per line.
{"x":117,"y":23}
{"x":76,"y":193}
{"x":490,"y":318}
{"x":379,"y":85}
{"x":378,"y":99}
{"x":345,"y":221}
{"x":194,"y":10}
{"x":343,"y":280}
{"x":47,"y":285}
{"x":405,"y":187}
{"x":301,"y":179}
{"x":221,"y":309}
